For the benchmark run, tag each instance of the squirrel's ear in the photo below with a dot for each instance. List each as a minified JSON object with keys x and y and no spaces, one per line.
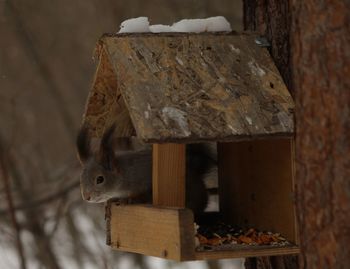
{"x":83,"y":144}
{"x":106,"y":155}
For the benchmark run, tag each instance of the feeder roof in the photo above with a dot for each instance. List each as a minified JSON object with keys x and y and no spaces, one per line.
{"x":189,"y":87}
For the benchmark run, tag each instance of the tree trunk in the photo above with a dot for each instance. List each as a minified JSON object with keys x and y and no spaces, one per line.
{"x":310,"y":46}
{"x":272,"y":20}
{"x":321,"y":79}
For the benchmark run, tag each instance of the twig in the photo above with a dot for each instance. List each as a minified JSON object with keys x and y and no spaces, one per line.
{"x":11,"y":209}
{"x":32,"y":219}
{"x":44,"y":200}
{"x":59,"y":213}
{"x":43,"y":69}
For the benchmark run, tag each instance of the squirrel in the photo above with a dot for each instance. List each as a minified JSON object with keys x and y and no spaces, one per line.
{"x":122,"y":169}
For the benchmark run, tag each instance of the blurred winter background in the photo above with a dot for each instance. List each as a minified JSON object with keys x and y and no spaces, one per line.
{"x":46,"y":69}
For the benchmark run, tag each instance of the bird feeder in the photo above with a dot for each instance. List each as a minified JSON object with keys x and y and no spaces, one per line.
{"x":171,"y":89}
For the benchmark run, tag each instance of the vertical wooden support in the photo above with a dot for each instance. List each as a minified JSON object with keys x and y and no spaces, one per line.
{"x":169,"y":174}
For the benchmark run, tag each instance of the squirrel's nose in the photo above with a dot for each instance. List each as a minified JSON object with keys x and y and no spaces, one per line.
{"x":87,"y":196}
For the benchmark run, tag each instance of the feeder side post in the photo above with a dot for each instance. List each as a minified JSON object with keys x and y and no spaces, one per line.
{"x":169,"y":161}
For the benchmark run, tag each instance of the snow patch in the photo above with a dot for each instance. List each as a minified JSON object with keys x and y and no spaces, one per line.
{"x":178,"y":116}
{"x":141,"y":25}
{"x":146,"y":114}
{"x":234,"y":131}
{"x":217,"y":24}
{"x":148,"y":111}
{"x":135,"y":25}
{"x":212,"y":24}
{"x":256,"y":69}
{"x":179,"y":60}
{"x":234,"y":49}
{"x":160,"y":28}
{"x":249,"y":120}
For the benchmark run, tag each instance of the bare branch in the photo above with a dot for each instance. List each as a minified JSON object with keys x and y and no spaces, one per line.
{"x":11,"y":209}
{"x":47,"y":199}
{"x":32,"y":221}
{"x":43,"y":69}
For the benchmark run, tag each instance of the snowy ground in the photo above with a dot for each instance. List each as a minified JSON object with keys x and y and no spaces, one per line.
{"x":94,"y":241}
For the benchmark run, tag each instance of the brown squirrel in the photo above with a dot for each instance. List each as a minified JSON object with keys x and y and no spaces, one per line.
{"x":119,"y":170}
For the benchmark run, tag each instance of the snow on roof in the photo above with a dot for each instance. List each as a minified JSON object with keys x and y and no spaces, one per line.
{"x":141,"y":25}
{"x":135,"y":25}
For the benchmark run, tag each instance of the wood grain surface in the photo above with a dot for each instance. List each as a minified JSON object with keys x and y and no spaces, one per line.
{"x":161,"y":232}
{"x":256,"y":185}
{"x":105,"y":104}
{"x":193,"y":87}
{"x":169,"y":172}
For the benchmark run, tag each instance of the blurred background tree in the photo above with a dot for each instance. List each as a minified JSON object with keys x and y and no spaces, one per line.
{"x":46,"y":70}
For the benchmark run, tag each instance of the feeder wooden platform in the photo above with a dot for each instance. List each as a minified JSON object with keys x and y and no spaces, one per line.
{"x":261,"y":198}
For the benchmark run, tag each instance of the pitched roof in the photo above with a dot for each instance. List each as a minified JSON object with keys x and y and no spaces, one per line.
{"x":191,"y":87}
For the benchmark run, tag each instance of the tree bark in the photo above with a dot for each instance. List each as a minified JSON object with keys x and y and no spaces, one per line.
{"x":321,"y":79}
{"x":310,"y":45}
{"x":271,"y":18}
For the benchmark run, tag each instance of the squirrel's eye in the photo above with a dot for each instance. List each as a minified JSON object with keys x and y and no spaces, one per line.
{"x":100,"y":180}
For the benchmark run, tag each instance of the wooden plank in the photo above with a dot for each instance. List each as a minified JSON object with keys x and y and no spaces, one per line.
{"x":250,"y":251}
{"x":161,"y":232}
{"x":105,"y":104}
{"x":256,"y":185}
{"x":191,"y":87}
{"x":169,"y":170}
{"x":296,"y":225}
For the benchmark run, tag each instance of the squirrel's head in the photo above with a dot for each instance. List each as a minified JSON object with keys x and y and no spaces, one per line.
{"x":101,"y":179}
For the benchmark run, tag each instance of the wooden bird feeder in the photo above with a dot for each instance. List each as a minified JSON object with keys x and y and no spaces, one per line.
{"x":171,"y":89}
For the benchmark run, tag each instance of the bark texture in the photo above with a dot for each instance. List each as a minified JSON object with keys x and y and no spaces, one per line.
{"x":311,"y":39}
{"x":321,"y":78}
{"x":272,"y":19}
